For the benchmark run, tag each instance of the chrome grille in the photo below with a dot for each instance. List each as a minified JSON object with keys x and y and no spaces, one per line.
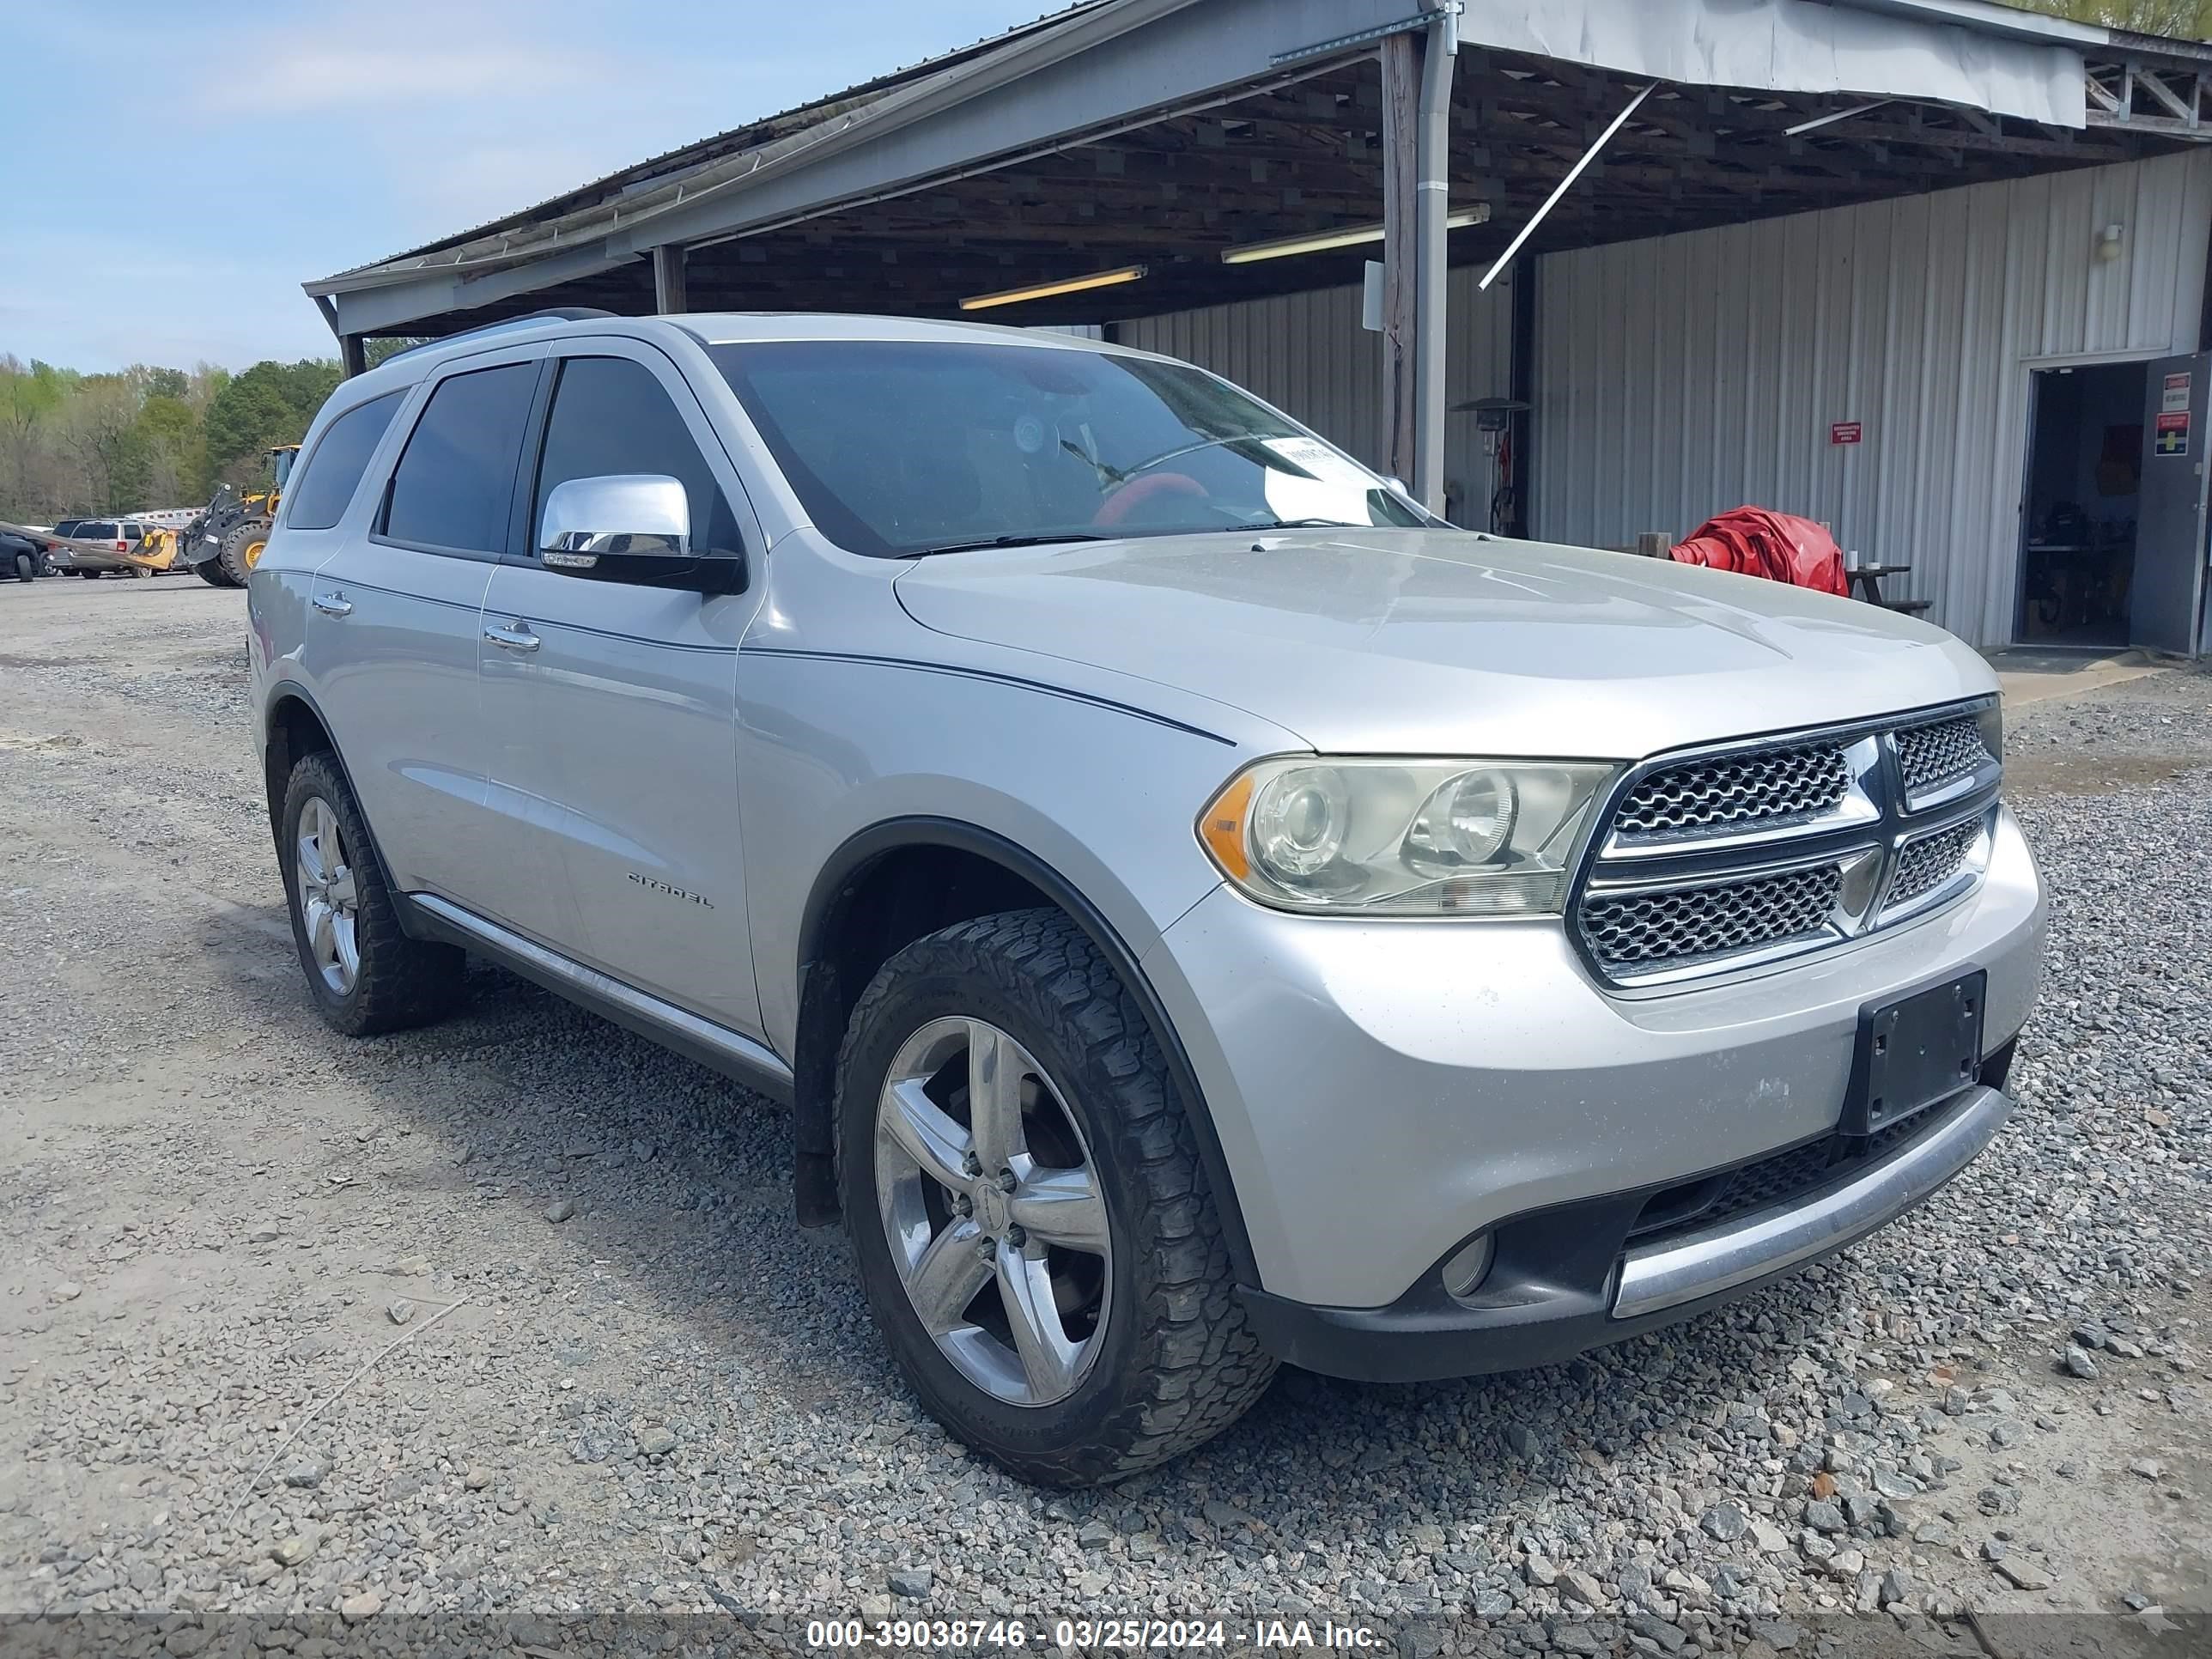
{"x":1937,"y":754}
{"x":1927,"y":863}
{"x":1732,"y":791}
{"x":1675,"y":924}
{"x":1758,"y":852}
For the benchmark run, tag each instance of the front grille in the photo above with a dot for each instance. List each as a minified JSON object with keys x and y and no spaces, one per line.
{"x":1942,"y":752}
{"x":1676,"y":925}
{"x":1736,"y":791}
{"x":1755,"y":853}
{"x":1927,"y":863}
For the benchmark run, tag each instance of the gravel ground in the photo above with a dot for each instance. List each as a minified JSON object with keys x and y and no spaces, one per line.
{"x":288,"y":1325}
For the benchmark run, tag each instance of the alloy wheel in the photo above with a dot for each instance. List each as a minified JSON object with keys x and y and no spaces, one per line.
{"x":993,"y":1210}
{"x":329,"y":896}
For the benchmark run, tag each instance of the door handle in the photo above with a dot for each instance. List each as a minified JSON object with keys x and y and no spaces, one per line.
{"x":512,"y":636}
{"x":333,"y":605}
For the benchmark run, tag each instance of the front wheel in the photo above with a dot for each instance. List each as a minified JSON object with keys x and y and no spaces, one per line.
{"x":1033,"y":1228}
{"x":240,"y":550}
{"x":27,"y":567}
{"x":365,"y":974}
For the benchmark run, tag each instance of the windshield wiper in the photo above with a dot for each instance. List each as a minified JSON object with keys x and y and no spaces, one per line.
{"x":1307,"y":524}
{"x":1009,"y":541}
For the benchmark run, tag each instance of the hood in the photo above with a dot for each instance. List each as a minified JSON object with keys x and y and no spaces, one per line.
{"x":1443,"y":642}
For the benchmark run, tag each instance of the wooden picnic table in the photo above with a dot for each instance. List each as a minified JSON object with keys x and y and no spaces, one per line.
{"x":1866,"y":582}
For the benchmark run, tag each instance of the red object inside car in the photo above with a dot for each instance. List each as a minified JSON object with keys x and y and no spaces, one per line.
{"x":1779,"y":546}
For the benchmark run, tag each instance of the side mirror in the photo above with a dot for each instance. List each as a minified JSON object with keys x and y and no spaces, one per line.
{"x":633,"y":527}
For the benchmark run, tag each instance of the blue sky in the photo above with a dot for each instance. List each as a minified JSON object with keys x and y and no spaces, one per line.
{"x":239,"y":148}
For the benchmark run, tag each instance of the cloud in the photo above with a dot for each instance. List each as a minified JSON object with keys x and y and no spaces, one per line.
{"x":305,"y":76}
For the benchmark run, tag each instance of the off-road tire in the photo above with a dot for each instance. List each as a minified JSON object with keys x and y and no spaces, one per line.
{"x":211,"y":573}
{"x":404,"y":983}
{"x":231,"y":555}
{"x":1180,"y":1362}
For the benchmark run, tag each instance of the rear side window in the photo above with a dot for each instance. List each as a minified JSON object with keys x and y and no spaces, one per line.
{"x":97,"y":532}
{"x":612,"y":416}
{"x":319,"y":497}
{"x":455,"y":483}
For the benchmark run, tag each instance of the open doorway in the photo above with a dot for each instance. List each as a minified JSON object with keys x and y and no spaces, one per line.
{"x":2084,"y":475}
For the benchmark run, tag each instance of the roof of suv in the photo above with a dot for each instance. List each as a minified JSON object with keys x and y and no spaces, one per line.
{"x":710,"y":328}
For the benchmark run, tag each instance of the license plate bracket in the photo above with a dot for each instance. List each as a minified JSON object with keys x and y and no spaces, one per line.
{"x":1914,"y":1052}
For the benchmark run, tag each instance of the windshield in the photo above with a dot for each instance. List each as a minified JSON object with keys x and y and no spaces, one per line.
{"x":897,"y":448}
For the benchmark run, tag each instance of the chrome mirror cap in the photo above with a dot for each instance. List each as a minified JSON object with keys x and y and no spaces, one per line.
{"x":630,"y":515}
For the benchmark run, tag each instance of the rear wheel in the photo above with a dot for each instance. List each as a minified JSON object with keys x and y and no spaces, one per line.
{"x":1030,"y":1221}
{"x":27,"y":567}
{"x":89,"y":576}
{"x":365,"y":974}
{"x":241,"y":550}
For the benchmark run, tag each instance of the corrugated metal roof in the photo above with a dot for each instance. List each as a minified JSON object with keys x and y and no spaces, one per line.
{"x":550,"y":224}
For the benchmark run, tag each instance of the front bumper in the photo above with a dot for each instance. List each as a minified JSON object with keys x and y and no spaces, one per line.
{"x":1383,"y":1092}
{"x":1562,"y":1283}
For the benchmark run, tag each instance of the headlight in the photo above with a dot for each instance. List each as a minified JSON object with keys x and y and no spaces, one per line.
{"x":1416,"y":838}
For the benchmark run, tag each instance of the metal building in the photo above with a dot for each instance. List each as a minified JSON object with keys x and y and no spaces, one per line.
{"x":1923,"y":268}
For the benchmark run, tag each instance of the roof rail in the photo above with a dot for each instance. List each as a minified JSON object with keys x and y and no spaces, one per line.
{"x":550,"y":314}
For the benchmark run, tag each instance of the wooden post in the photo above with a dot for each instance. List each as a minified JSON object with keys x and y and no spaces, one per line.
{"x":668,"y":296}
{"x":1402,"y":86}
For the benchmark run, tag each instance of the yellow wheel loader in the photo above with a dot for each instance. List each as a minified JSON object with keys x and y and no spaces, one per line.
{"x":224,"y":544}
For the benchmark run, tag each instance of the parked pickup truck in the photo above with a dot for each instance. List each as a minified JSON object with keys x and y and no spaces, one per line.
{"x":1202,"y":911}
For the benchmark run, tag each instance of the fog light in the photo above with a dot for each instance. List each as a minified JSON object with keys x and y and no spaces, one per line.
{"x":1463,"y":1274}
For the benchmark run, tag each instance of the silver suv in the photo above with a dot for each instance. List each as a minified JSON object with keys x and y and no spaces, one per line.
{"x":1201,"y":911}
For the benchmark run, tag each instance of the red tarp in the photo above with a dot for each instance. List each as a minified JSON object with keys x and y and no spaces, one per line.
{"x":1779,"y":546}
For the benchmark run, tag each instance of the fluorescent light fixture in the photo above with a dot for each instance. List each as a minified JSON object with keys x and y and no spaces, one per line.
{"x":1047,"y":290}
{"x":1831,"y":119}
{"x":1351,"y":236}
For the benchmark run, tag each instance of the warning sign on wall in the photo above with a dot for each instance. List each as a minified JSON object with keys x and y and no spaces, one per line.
{"x":2174,"y":399}
{"x":2171,"y":437}
{"x":1845,"y":432}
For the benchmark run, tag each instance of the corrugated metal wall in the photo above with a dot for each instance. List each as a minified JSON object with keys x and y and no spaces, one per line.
{"x":1307,"y":354}
{"x":1682,"y":376}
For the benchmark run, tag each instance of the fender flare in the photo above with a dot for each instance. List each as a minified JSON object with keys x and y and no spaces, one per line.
{"x":815,"y":1083}
{"x":288,"y":690}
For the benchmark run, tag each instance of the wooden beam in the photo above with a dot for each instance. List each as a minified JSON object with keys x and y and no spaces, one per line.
{"x":1402,"y":79}
{"x":668,"y":296}
{"x":2163,"y":95}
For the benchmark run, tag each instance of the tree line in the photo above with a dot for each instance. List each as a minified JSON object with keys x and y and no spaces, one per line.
{"x":2189,"y":20}
{"x":77,"y":445}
